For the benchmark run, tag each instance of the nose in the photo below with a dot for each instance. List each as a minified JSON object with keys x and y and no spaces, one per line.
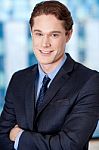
{"x":46,"y":41}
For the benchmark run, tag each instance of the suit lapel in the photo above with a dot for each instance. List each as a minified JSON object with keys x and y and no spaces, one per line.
{"x":60,"y":79}
{"x":30,"y":98}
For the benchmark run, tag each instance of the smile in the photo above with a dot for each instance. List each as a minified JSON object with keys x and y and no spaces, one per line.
{"x":45,"y":52}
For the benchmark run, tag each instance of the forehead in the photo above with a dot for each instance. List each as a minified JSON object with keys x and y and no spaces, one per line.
{"x":47,"y":22}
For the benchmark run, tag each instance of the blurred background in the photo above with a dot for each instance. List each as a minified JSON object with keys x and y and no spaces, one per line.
{"x":15,"y":39}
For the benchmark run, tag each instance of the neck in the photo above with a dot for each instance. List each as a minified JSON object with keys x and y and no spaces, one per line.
{"x":48,"y":68}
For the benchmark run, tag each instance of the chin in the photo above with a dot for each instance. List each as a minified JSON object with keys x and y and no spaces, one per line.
{"x":45,"y":63}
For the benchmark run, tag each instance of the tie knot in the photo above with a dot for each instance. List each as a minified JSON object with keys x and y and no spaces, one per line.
{"x":46,"y":80}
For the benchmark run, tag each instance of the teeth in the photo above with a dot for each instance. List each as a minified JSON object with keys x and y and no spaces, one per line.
{"x":45,"y":52}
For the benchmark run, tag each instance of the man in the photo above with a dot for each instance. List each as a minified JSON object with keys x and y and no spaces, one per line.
{"x":61,"y":114}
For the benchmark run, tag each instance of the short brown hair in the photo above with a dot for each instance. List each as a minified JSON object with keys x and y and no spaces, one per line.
{"x":59,"y":10}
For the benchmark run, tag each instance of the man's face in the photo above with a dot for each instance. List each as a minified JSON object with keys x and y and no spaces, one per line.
{"x":49,"y":39}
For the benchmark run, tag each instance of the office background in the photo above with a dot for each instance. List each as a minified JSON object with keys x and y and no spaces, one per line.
{"x":16,"y":45}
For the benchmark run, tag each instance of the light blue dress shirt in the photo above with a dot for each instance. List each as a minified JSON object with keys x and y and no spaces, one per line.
{"x":51,"y":75}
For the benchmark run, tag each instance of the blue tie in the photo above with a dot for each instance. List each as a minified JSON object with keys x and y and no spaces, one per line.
{"x":43,"y":90}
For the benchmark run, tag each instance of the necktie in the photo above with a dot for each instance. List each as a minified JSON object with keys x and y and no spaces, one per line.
{"x":43,"y":90}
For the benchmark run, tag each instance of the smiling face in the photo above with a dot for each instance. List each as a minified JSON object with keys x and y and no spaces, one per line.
{"x":49,"y":39}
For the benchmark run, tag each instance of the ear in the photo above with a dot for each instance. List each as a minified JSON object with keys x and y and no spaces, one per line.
{"x":68,"y":35}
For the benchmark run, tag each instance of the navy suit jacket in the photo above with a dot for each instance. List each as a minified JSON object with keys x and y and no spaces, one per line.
{"x":67,"y":118}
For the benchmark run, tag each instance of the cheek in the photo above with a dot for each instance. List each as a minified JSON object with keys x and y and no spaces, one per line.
{"x":34,"y":46}
{"x":63,"y":44}
{"x":60,"y":46}
{"x":35,"y":42}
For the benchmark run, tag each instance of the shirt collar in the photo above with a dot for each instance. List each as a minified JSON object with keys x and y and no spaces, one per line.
{"x":52,"y":74}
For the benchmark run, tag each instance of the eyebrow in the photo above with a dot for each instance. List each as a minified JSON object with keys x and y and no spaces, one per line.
{"x":36,"y":30}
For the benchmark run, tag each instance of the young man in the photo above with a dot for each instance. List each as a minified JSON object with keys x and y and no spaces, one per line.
{"x":61,"y":114}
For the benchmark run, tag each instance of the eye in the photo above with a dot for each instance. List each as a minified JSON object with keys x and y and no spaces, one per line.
{"x":38,"y":34}
{"x":55,"y":35}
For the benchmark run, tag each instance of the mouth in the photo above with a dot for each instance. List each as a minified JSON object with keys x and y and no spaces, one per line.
{"x":45,"y":52}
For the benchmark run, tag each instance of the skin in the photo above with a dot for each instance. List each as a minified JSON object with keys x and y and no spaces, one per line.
{"x":49,"y":41}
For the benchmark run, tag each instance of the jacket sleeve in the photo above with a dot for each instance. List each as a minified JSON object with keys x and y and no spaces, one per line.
{"x":78,"y":126}
{"x":7,"y":122}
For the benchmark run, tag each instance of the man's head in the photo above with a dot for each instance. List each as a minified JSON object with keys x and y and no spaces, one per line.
{"x":51,"y":27}
{"x":59,"y":10}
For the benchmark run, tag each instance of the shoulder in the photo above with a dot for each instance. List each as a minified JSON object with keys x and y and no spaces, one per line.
{"x":24,"y":75}
{"x":80,"y":71}
{"x":82,"y":76}
{"x":25,"y":72}
{"x":87,"y":78}
{"x":84,"y":71}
